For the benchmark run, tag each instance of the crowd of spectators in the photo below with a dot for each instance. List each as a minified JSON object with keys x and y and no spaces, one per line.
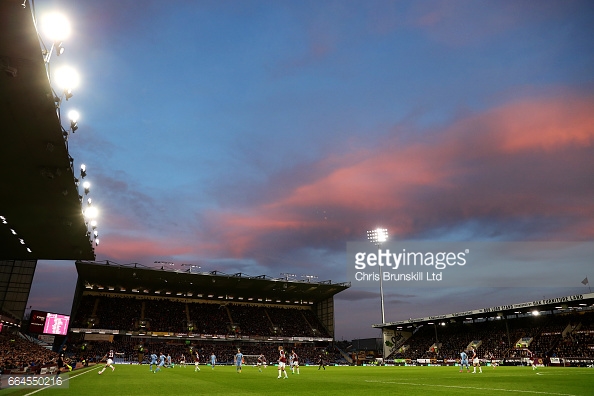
{"x":549,"y":336}
{"x":17,"y":354}
{"x":178,"y":316}
{"x":165,"y":315}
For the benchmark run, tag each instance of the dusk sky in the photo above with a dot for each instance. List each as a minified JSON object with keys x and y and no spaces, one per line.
{"x":262,"y":136}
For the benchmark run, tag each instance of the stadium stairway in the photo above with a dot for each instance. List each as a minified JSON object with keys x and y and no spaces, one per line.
{"x":344,"y":355}
{"x":34,"y":340}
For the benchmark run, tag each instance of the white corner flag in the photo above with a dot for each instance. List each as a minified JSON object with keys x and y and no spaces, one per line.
{"x":585,"y":281}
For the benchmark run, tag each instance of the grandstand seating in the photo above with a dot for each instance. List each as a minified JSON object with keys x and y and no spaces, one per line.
{"x":171,"y":315}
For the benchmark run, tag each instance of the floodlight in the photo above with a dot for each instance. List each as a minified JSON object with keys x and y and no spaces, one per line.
{"x":59,"y":48}
{"x":87,"y":187}
{"x":66,"y":78}
{"x":83,"y":171}
{"x":56,"y":27}
{"x":91,"y":212}
{"x":378,"y":236}
{"x":73,"y":115}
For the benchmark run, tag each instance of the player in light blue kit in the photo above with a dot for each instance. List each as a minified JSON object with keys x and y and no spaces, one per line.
{"x":213,"y":360}
{"x":153,"y":361}
{"x":464,"y":362}
{"x":161,"y":362}
{"x":238,"y":360}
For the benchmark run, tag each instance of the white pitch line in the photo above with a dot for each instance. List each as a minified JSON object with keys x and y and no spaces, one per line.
{"x":474,"y":388}
{"x":65,"y":379}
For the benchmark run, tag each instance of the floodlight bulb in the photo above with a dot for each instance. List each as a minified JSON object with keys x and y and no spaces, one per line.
{"x":73,"y":115}
{"x":91,"y":212}
{"x":86,"y":185}
{"x":94,"y":223}
{"x":382,"y":234}
{"x":56,"y":27}
{"x":66,"y":78}
{"x":83,"y":167}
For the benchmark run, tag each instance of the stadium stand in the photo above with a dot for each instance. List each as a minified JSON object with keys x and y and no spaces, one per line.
{"x":18,"y":355}
{"x":561,"y":336}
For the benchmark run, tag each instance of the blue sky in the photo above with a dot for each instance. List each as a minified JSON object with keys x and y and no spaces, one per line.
{"x":262,"y":136}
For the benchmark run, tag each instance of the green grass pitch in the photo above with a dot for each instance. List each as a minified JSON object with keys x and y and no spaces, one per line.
{"x":223,"y":380}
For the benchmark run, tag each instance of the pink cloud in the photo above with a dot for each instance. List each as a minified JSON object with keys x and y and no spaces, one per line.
{"x":523,"y":159}
{"x":124,"y":249}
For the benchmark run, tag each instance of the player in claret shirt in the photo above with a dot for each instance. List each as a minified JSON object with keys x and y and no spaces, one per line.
{"x":295,"y":360}
{"x":475,"y":362}
{"x":110,"y":356}
{"x":261,"y":362}
{"x":282,"y":361}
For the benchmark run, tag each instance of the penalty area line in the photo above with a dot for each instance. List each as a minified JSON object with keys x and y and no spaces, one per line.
{"x":65,"y":379}
{"x":474,"y":388}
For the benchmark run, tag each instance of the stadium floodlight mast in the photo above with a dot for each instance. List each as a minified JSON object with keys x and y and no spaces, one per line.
{"x":379,"y":236}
